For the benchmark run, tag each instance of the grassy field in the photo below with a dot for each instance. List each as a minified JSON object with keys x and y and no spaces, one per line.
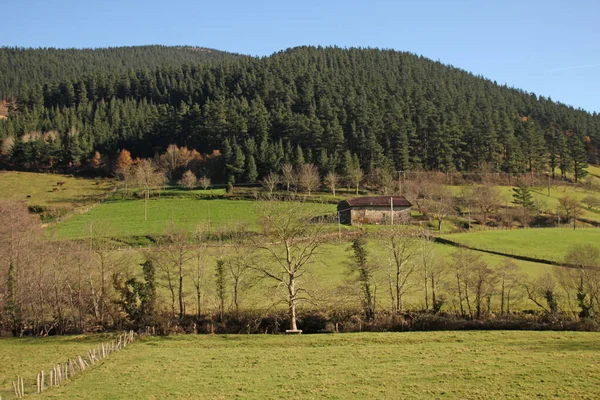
{"x":550,"y":244}
{"x":25,"y":357}
{"x":74,"y":192}
{"x":121,"y":218}
{"x":419,"y":365}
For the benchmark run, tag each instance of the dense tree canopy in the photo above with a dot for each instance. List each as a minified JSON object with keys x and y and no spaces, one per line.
{"x":379,"y":109}
{"x":25,"y":67}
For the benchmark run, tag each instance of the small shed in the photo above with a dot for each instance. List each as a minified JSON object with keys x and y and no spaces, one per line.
{"x":382,"y":210}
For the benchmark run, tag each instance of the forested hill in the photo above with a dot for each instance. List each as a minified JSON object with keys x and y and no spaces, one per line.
{"x":380,"y":109}
{"x":23,"y":67}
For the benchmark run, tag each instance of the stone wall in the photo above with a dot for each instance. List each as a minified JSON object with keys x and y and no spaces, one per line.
{"x":379,"y":215}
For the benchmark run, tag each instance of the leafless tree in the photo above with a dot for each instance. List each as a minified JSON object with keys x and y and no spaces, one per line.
{"x":18,"y":237}
{"x":571,"y":209}
{"x":418,"y":191}
{"x":441,"y":204}
{"x":204,"y":182}
{"x":510,"y":278}
{"x":401,"y":247}
{"x":332,"y":181}
{"x":542,"y":292}
{"x":581,"y":282}
{"x":240,"y":267}
{"x":174,"y":255}
{"x":475,"y":282}
{"x":148,"y":177}
{"x":270,"y":182}
{"x":308,"y":178}
{"x":294,"y":246}
{"x":355,"y":176}
{"x":288,"y":175}
{"x":592,"y":202}
{"x":430,"y":267}
{"x":484,"y":199}
{"x":188,"y":180}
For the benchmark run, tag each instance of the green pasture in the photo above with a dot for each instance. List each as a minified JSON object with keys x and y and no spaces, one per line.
{"x":25,"y":357}
{"x":121,"y":218}
{"x":43,"y":189}
{"x":411,"y":365}
{"x":550,"y":244}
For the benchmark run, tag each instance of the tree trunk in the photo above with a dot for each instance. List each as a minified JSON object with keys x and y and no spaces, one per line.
{"x":292,"y":302}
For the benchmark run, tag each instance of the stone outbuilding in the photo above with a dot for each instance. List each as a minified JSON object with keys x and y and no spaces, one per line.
{"x":382,"y":210}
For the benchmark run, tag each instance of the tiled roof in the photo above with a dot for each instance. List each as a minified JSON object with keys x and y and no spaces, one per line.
{"x":379,"y":201}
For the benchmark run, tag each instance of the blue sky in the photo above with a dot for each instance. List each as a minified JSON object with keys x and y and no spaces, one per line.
{"x":547,"y":47}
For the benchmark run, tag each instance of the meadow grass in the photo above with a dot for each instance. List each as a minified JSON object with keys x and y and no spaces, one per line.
{"x":550,"y":244}
{"x":121,"y":218}
{"x":412,"y":365}
{"x":25,"y":357}
{"x":74,"y":192}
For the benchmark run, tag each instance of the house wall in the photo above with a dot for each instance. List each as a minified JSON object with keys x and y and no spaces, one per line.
{"x":379,"y":215}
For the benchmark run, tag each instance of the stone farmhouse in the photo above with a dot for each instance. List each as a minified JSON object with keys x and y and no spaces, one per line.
{"x":382,"y":210}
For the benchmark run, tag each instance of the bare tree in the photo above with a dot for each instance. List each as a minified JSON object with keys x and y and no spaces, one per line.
{"x":188,"y":180}
{"x":571,"y":209}
{"x":204,"y":182}
{"x":295,"y":245}
{"x":308,"y":178}
{"x":288,"y":175}
{"x":592,"y":202}
{"x":430,"y":268}
{"x":173,"y":255}
{"x":18,"y":236}
{"x":355,"y":176}
{"x":542,"y":292}
{"x":581,"y":282}
{"x":148,"y":177}
{"x":240,"y":262}
{"x":485,"y":199}
{"x":441,"y":204}
{"x":400,"y":245}
{"x":474,"y":282}
{"x":332,"y":181}
{"x":510,"y":278}
{"x":418,"y":191}
{"x":270,"y":182}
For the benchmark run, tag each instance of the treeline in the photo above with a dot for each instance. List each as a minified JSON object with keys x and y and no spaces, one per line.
{"x":266,"y":283}
{"x":23,"y":68}
{"x":390,"y":110}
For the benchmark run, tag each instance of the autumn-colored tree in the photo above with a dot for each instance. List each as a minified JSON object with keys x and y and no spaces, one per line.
{"x":123,"y":161}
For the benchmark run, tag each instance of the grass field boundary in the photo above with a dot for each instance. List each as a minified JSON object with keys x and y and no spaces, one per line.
{"x":61,"y":372}
{"x":509,"y":255}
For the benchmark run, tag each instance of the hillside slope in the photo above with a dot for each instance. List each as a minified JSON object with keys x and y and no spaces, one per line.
{"x":22,"y":67}
{"x":337,"y":108}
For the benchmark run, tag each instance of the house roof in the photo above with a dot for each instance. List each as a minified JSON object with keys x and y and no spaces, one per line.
{"x":379,"y":201}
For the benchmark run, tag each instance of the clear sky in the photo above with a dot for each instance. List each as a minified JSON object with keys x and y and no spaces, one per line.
{"x":547,"y":47}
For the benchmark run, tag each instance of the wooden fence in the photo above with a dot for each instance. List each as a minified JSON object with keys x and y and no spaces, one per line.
{"x":63,"y":371}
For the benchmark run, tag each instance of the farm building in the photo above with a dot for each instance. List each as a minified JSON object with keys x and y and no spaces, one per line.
{"x":375,"y":210}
